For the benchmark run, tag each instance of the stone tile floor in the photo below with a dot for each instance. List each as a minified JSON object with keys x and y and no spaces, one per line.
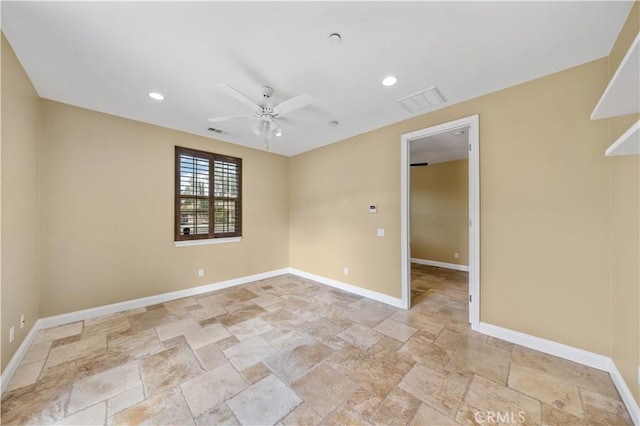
{"x":289,"y":351}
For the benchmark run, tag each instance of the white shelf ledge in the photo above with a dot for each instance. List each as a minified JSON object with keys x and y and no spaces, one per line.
{"x":627,"y":144}
{"x":622,"y":95}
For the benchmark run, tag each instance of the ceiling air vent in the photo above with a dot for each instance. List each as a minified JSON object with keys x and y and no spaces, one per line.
{"x":214,"y":130}
{"x":422,"y":100}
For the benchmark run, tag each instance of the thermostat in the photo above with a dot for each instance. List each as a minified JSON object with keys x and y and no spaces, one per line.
{"x":373,"y":209}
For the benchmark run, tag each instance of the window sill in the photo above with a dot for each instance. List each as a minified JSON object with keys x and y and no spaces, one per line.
{"x":187,"y":243}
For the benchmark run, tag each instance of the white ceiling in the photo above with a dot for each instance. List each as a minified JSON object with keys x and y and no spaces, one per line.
{"x":440,"y":148}
{"x":106,"y":56}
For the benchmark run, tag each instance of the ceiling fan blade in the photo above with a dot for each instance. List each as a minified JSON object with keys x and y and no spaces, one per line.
{"x":233,"y":117}
{"x":240,"y":97}
{"x":293,"y":104}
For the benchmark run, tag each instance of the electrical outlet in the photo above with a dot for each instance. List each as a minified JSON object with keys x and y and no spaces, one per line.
{"x":200,"y":273}
{"x":22,"y":321}
{"x":456,"y":255}
{"x":380,"y":232}
{"x":11,"y":334}
{"x":346,"y":270}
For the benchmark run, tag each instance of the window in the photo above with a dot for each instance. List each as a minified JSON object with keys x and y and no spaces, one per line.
{"x":208,"y":195}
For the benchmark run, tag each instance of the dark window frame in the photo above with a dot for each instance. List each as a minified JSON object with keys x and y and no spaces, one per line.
{"x":212,"y":158}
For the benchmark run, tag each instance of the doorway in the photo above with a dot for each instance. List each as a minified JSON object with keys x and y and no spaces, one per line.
{"x":469,"y":125}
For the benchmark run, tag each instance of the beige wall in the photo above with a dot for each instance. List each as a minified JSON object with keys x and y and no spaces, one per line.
{"x":440,"y":212}
{"x":20,"y":205}
{"x":625,"y":231}
{"x":543,"y":208}
{"x":107,"y":212}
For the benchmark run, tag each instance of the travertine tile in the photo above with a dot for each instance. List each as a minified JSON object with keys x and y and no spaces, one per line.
{"x":289,"y":365}
{"x":169,"y":368}
{"x":82,"y":348}
{"x":54,"y":333}
{"x":362,"y":337}
{"x":398,"y":408}
{"x":211,"y":356}
{"x":206,"y":335}
{"x":553,"y":417}
{"x":368,"y":313}
{"x":324,"y":388}
{"x":249,"y":352}
{"x":115,"y":325}
{"x":486,"y":395}
{"x":41,"y":403}
{"x":149,"y":319}
{"x":545,"y":388}
{"x":212,"y":388}
{"x":176,"y":328}
{"x":426,"y":415}
{"x":250,"y":328}
{"x":567,"y":371}
{"x":37,"y":352}
{"x":601,"y":410}
{"x":438,"y":389}
{"x":255,"y":373}
{"x":481,"y":358}
{"x":95,"y":415}
{"x":25,"y":375}
{"x":344,"y":416}
{"x":264,"y":403}
{"x":168,"y":408}
{"x":364,"y":401}
{"x":266,"y":300}
{"x":180,"y":304}
{"x":303,"y":415}
{"x":448,"y":340}
{"x":103,"y":386}
{"x":424,"y":366}
{"x":227,"y":342}
{"x":239,"y":294}
{"x":425,"y":352}
{"x":108,"y":317}
{"x":284,"y":341}
{"x":220,"y":415}
{"x":431,"y":322}
{"x":125,"y":400}
{"x":395,"y":329}
{"x":136,"y":345}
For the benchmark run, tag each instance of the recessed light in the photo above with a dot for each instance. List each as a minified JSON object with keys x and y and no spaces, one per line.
{"x":389,"y":81}
{"x":157,"y":96}
{"x":458,"y":133}
{"x":334,"y":123}
{"x":335,"y":38}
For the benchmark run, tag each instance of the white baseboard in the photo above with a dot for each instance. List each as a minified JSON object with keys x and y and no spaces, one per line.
{"x":16,"y":359}
{"x":625,"y":393}
{"x":380,"y":297}
{"x":570,"y":353}
{"x":153,"y":300}
{"x":440,"y":264}
{"x":580,"y":356}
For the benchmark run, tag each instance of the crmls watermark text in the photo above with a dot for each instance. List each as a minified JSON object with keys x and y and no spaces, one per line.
{"x":495,"y":417}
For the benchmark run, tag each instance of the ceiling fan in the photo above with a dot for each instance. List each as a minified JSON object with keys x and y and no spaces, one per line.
{"x":265,"y":113}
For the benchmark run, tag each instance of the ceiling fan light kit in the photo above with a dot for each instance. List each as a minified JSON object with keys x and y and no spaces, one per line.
{"x":265,"y":112}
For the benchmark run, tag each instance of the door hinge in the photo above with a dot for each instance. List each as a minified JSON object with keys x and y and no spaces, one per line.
{"x":469,"y":298}
{"x":470,"y":222}
{"x":469,"y":147}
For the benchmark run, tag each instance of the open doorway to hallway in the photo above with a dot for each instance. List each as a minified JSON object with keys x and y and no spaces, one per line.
{"x":439,"y":222}
{"x":440,"y":216}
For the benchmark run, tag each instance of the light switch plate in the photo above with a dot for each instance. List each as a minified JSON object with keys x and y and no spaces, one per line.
{"x":380,"y":232}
